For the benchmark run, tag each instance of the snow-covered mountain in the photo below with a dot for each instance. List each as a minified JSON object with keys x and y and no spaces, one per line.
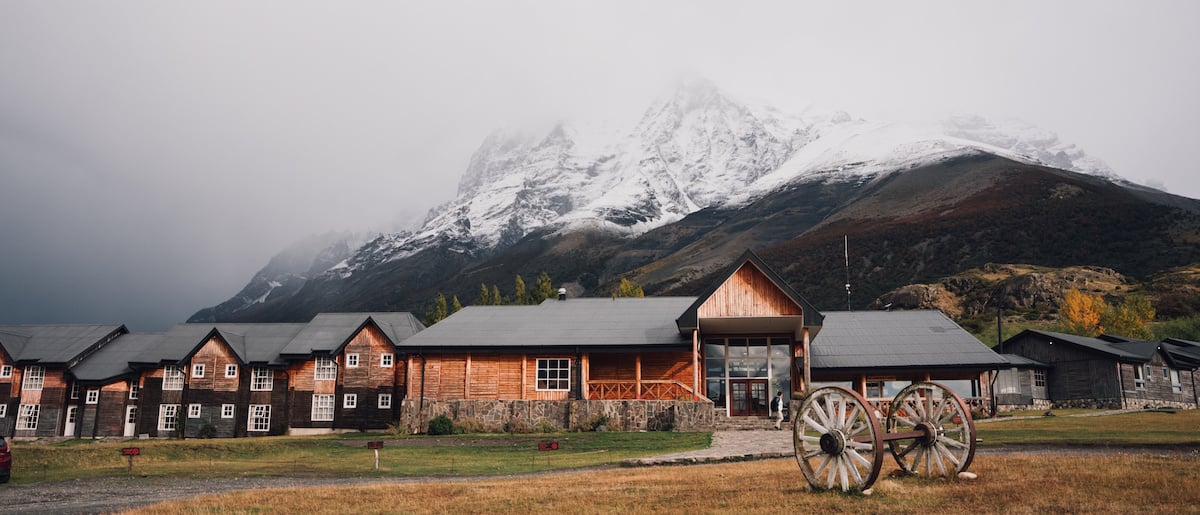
{"x":695,"y":148}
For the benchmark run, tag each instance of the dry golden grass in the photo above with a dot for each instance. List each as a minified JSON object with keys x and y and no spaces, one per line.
{"x":1006,"y":484}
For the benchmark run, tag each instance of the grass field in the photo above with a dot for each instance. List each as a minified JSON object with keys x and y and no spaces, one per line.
{"x":1138,"y":428}
{"x":1006,"y":484}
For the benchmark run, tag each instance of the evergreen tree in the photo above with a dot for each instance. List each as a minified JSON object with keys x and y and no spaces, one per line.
{"x":437,"y":312}
{"x":628,"y":288}
{"x":485,"y":296}
{"x":519,"y":295}
{"x":543,"y":290}
{"x":455,"y":306}
{"x":497,"y":299}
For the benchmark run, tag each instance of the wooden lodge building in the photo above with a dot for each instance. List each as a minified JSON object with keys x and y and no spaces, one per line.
{"x":652,"y":363}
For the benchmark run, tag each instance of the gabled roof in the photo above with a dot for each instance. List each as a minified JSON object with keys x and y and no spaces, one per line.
{"x":924,"y":339}
{"x":1132,"y":355}
{"x":251,"y":343}
{"x":55,"y":344}
{"x":112,"y":360}
{"x":328,"y":333}
{"x":578,"y":322}
{"x":689,"y":319}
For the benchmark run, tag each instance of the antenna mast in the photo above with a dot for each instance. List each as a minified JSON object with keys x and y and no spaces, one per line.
{"x":846,"y":250}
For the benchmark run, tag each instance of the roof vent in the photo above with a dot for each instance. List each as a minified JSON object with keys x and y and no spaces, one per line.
{"x":562,"y":294}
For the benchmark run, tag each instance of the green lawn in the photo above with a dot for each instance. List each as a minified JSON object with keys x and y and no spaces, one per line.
{"x":1138,"y":428}
{"x":340,"y":456}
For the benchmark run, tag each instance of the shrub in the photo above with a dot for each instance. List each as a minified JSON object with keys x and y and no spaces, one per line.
{"x":597,"y":423}
{"x":475,"y":425}
{"x":441,"y":425}
{"x":397,"y":429}
{"x":208,"y":431}
{"x":517,"y":426}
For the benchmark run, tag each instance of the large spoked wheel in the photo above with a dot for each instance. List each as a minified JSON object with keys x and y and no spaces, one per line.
{"x":948,"y":444}
{"x":838,"y":440}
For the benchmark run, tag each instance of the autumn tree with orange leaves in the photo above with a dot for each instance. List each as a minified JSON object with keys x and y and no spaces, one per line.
{"x":1081,"y":313}
{"x":1089,"y":315}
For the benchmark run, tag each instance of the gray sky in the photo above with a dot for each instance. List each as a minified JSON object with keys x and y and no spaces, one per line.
{"x":154,"y":155}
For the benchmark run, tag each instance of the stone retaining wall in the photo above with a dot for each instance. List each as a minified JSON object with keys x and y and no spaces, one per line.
{"x":631,"y":415}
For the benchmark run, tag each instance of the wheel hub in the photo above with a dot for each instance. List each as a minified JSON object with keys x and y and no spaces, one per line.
{"x":932,"y":432}
{"x":833,"y":442}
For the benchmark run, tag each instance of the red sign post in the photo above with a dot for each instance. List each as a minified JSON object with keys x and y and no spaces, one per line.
{"x":131,"y":452}
{"x":375,"y":445}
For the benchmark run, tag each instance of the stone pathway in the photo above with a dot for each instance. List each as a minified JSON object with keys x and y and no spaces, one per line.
{"x":730,"y":446}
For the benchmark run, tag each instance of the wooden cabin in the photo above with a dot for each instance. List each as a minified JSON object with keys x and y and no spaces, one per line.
{"x":346,"y":373}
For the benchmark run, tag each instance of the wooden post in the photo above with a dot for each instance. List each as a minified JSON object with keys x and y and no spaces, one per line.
{"x":638,"y":375}
{"x":467,"y":379}
{"x":586,"y":369}
{"x":524,"y":371}
{"x":807,"y":361}
{"x":695,"y":364}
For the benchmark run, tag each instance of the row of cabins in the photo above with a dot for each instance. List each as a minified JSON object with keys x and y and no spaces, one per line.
{"x":640,"y":363}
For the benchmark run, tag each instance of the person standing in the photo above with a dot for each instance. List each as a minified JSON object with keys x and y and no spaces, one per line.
{"x":777,"y":408}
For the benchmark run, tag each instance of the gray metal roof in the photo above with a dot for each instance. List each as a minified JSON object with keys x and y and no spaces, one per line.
{"x":54,"y":344}
{"x":112,"y":360}
{"x":328,"y":332}
{"x":1094,"y":344}
{"x":1017,"y":360}
{"x":897,"y":339}
{"x":252,"y":343}
{"x":576,"y":322}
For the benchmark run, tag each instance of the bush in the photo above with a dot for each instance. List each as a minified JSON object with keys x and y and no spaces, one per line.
{"x":208,"y":431}
{"x":517,"y":426}
{"x":441,"y":425}
{"x":475,"y":425}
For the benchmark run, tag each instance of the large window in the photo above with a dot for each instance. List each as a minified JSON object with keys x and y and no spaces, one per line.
{"x":27,"y":416}
{"x":261,"y":379}
{"x":1175,"y":385}
{"x":1139,"y":378}
{"x":325,"y":370}
{"x":168,"y":417}
{"x":260,"y":418}
{"x":322,"y":407}
{"x":1039,"y":378}
{"x":34,"y":378}
{"x":739,"y":360}
{"x":553,"y":374}
{"x":172,"y":378}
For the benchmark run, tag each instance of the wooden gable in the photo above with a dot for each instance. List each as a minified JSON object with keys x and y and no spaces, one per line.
{"x":748,"y":292}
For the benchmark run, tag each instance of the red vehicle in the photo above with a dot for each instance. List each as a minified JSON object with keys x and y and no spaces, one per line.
{"x":5,"y":460}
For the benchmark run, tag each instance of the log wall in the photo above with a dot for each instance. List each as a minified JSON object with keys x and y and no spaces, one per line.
{"x":747,"y":293}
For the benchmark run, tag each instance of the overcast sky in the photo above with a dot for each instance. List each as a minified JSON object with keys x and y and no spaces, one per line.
{"x":154,"y":155}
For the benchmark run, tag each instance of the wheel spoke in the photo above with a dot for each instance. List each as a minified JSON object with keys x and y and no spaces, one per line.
{"x":948,"y":454}
{"x":819,"y":408}
{"x":820,"y":428}
{"x":858,"y":479}
{"x":937,"y":456}
{"x":824,"y":463}
{"x":907,"y":421}
{"x":940,"y":415}
{"x":842,"y":474}
{"x":810,"y":439}
{"x":854,"y":456}
{"x":912,"y":445}
{"x":832,"y":474}
{"x":841,"y":415}
{"x":813,"y":454}
{"x":952,"y":442}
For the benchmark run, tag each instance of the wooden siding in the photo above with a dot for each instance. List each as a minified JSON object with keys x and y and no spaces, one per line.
{"x":748,"y":293}
{"x":214,"y":355}
{"x":370,"y":344}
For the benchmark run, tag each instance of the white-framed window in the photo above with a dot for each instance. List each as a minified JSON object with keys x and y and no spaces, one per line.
{"x":33,"y":379}
{"x":75,"y":391}
{"x":172,"y":378}
{"x":322,"y":407}
{"x":27,"y":416}
{"x":227,"y":410}
{"x":325,"y":369}
{"x":350,"y":400}
{"x":168,"y":417}
{"x":1039,"y":378}
{"x":134,"y":390}
{"x":1139,"y":378}
{"x":1166,"y":374}
{"x":385,"y":401}
{"x":5,"y":371}
{"x":261,"y":379}
{"x":198,"y":370}
{"x":193,"y":411}
{"x":3,"y":410}
{"x":230,"y":371}
{"x":1176,"y":387}
{"x":260,"y":418}
{"x":352,"y":360}
{"x":386,"y":360}
{"x":93,"y":397}
{"x":553,"y":374}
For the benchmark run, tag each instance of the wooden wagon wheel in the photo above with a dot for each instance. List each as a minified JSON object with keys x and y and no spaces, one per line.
{"x":947,"y":442}
{"x":837,"y":440}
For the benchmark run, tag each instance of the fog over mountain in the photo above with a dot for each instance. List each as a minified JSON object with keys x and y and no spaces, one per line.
{"x":154,"y":156}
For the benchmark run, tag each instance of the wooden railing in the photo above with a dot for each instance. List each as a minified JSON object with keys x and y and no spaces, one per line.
{"x":662,"y":390}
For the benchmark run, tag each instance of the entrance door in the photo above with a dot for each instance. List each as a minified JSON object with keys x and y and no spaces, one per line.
{"x":130,"y":420}
{"x":69,"y":426}
{"x":748,"y":398}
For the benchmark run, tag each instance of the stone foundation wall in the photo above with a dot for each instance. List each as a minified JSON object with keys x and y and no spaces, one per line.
{"x":561,"y":415}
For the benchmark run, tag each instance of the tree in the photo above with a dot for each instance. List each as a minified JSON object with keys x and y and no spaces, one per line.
{"x":1130,"y":318}
{"x":1081,"y":313}
{"x":628,"y":288}
{"x":519,"y":296}
{"x":437,"y":312}
{"x":497,"y":299}
{"x":485,"y":296}
{"x":455,"y":306}
{"x":543,"y":290}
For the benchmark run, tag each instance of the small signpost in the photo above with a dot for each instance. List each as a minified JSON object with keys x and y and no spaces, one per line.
{"x":548,"y":446}
{"x":375,"y":445}
{"x":131,"y":452}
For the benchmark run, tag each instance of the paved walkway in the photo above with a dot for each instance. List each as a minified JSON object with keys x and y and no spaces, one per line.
{"x":730,"y":446}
